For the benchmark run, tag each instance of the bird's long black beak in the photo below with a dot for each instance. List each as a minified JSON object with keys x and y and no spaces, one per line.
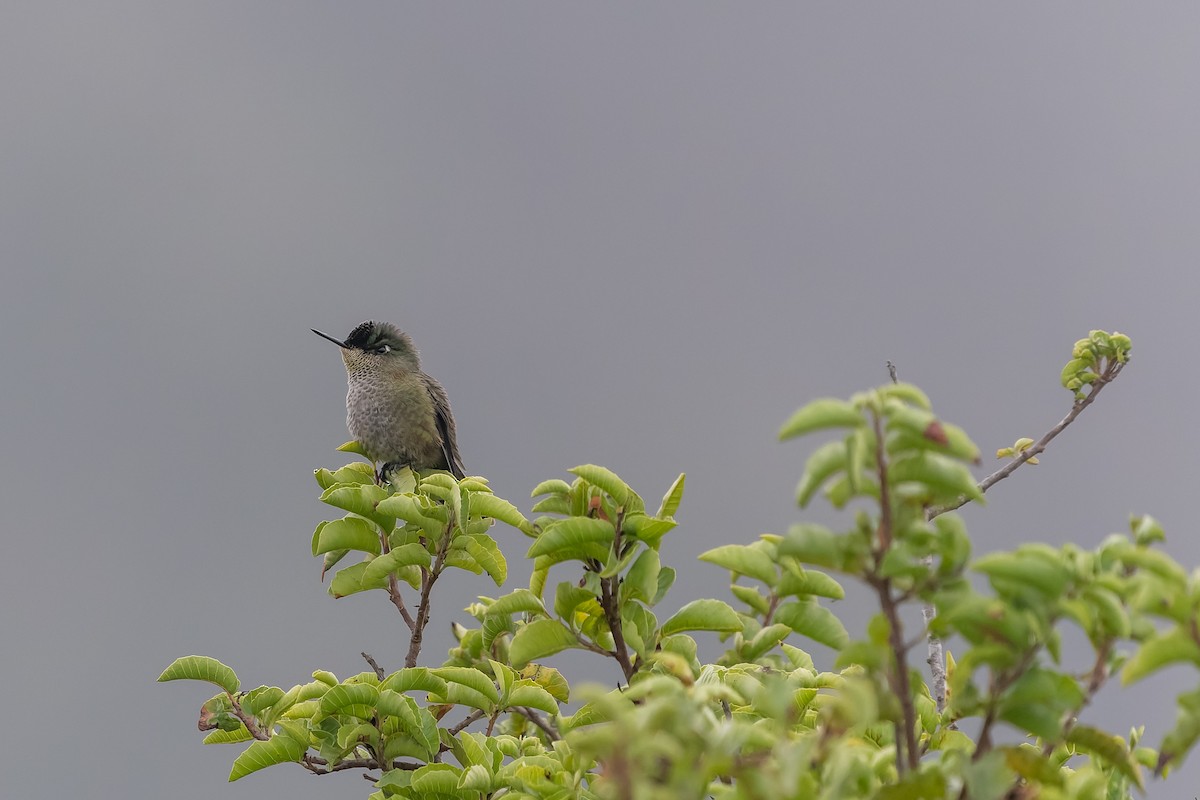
{"x":338,"y":342}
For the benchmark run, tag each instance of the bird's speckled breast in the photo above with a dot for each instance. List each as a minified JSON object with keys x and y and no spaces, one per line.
{"x":394,"y":422}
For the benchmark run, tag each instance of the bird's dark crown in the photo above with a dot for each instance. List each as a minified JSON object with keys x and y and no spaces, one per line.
{"x":371,"y":335}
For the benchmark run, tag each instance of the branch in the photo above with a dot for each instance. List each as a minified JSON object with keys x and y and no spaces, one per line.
{"x":247,"y":720}
{"x":612,"y":616}
{"x":379,"y":673}
{"x":538,"y":720}
{"x":612,"y":613}
{"x":398,"y":601}
{"x":1106,"y":377}
{"x":428,"y":578}
{"x":907,"y":754}
{"x":462,"y":726}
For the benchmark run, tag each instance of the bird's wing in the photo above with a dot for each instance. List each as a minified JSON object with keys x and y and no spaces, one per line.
{"x":445,"y":426}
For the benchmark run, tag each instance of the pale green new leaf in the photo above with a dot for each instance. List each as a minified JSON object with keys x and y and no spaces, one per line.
{"x":818,"y":623}
{"x":528,"y":693}
{"x":352,"y":699}
{"x":744,"y":561}
{"x":406,"y":555}
{"x":703,"y":615}
{"x":826,"y":460}
{"x":486,"y":553}
{"x":362,"y":500}
{"x":351,"y":580}
{"x":518,"y":601}
{"x":1163,"y":650}
{"x":827,"y":412}
{"x":488,"y":505}
{"x":348,"y":533}
{"x":201,"y":668}
{"x":538,"y":639}
{"x":288,"y":745}
{"x":471,"y":678}
{"x":673,"y":497}
{"x":606,"y":480}
{"x":572,"y":534}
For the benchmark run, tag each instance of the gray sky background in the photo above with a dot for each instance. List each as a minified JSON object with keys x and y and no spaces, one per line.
{"x":637,"y":235}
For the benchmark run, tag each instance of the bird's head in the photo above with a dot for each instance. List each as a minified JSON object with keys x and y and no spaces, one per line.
{"x":377,"y":347}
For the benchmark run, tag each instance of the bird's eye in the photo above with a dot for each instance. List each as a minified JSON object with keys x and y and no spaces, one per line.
{"x":383,"y":349}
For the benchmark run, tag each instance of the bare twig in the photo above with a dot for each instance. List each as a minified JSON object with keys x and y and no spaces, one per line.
{"x":907,"y":755}
{"x":398,"y":601}
{"x":462,"y":726}
{"x":428,"y":578}
{"x":379,"y":673}
{"x":1106,"y":377}
{"x":612,"y":612}
{"x":247,"y":720}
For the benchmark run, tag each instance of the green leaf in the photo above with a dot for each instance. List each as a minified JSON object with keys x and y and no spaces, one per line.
{"x":744,"y":561}
{"x":353,"y":699}
{"x":289,"y":745}
{"x":409,"y":679}
{"x":642,"y":579}
{"x":826,"y":460}
{"x":1163,"y":650}
{"x":352,"y":580}
{"x":751,"y":597}
{"x":406,"y":555}
{"x":703,"y":615}
{"x":552,"y":486}
{"x":606,"y":480}
{"x":201,"y":668}
{"x":818,"y":623}
{"x":809,"y":581}
{"x":538,"y":639}
{"x":568,"y":597}
{"x":488,"y":505}
{"x":408,"y":508}
{"x":1113,"y":749}
{"x":472,"y":679}
{"x":812,"y":544}
{"x":822,"y":413}
{"x":528,"y":693}
{"x":362,"y":500}
{"x":647,"y":529}
{"x":356,"y":472}
{"x":575,"y":533}
{"x":435,"y":781}
{"x":476,"y":778}
{"x":486,"y":553}
{"x":671,"y":500}
{"x":417,"y":722}
{"x":1031,"y":569}
{"x":908,"y":393}
{"x":518,"y":601}
{"x":939,"y":473}
{"x":352,"y":446}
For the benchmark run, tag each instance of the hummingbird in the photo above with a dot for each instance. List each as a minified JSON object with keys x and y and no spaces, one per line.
{"x":398,"y":414}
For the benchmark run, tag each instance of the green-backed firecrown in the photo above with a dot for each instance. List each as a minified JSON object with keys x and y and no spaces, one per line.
{"x":399,"y":415}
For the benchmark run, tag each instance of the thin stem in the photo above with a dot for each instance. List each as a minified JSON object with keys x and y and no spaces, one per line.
{"x":907,"y":755}
{"x":539,"y":721}
{"x":428,"y":578}
{"x":1106,"y":377}
{"x":462,"y":726}
{"x":379,"y":673}
{"x":247,"y":720}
